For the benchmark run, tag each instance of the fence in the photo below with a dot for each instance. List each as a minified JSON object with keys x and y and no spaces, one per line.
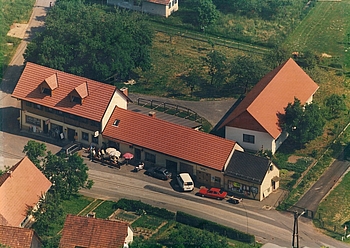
{"x":170,"y":108}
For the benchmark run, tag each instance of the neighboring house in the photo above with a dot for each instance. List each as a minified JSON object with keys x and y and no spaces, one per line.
{"x":156,"y":7}
{"x":254,"y":122}
{"x":65,"y":106}
{"x":17,"y":237}
{"x":94,"y":233}
{"x":178,"y":148}
{"x":20,"y":189}
{"x":252,"y":176}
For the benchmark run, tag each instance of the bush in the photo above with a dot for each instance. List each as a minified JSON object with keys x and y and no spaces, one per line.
{"x":136,"y":206}
{"x":214,"y":227}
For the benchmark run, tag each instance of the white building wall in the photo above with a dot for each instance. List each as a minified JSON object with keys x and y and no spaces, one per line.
{"x":266,"y":186}
{"x":262,"y":140}
{"x":119,"y":100}
{"x":130,"y":236}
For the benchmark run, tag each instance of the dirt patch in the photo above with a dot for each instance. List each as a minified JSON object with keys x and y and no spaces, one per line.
{"x":17,"y":30}
{"x":293,"y":159}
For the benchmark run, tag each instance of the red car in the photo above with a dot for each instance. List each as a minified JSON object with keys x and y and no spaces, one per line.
{"x":215,"y":193}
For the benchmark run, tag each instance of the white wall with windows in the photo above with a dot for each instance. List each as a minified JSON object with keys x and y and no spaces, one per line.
{"x":251,"y":140}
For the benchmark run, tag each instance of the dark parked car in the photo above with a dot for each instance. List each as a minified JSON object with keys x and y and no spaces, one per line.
{"x":159,"y":172}
{"x":69,"y":149}
{"x":234,"y":200}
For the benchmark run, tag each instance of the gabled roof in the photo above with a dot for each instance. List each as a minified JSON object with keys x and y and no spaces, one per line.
{"x":82,"y":90}
{"x":17,"y":237}
{"x":92,"y":233}
{"x":248,"y":167}
{"x":94,"y":106}
{"x":168,"y":138}
{"x":270,"y":96}
{"x":51,"y":81}
{"x":21,"y":188}
{"x":162,"y":2}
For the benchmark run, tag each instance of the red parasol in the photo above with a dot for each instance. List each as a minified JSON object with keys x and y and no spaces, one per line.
{"x":128,"y":155}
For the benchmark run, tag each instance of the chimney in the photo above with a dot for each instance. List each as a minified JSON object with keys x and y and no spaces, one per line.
{"x":152,"y":114}
{"x":125,"y":91}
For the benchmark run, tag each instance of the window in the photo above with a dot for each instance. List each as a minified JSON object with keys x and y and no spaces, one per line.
{"x":150,"y":157}
{"x":38,"y":106}
{"x":85,"y":136}
{"x":50,"y":110}
{"x":116,"y":122}
{"x":33,"y":121}
{"x":169,"y":5}
{"x":249,"y":138}
{"x":76,"y":99}
{"x":29,"y":104}
{"x":217,"y":180}
{"x":46,"y":91}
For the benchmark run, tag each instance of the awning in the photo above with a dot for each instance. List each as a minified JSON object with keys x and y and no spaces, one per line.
{"x":276,"y":178}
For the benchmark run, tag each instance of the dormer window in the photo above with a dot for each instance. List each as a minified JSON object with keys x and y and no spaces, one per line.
{"x":46,"y":91}
{"x":76,"y":99}
{"x":79,"y":93}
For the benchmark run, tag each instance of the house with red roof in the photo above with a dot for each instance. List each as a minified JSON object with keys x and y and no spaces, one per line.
{"x":65,"y":106}
{"x":89,"y":232}
{"x":178,"y":148}
{"x":155,"y":7}
{"x":17,"y":237}
{"x":254,"y":123}
{"x":21,"y":188}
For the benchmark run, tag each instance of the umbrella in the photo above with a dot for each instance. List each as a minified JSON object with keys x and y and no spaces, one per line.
{"x":128,"y":155}
{"x":110,"y":149}
{"x":115,"y":153}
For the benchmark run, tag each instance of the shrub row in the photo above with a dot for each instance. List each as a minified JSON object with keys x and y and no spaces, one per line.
{"x":136,"y":206}
{"x":203,"y":224}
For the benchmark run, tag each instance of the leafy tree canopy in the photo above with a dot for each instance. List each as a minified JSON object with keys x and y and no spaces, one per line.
{"x":35,"y":151}
{"x":303,"y":123}
{"x":217,"y":65}
{"x":86,"y":40}
{"x":246,"y":72}
{"x":336,"y":105}
{"x":207,"y":13}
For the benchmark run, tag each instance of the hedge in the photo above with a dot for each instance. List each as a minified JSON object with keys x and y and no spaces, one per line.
{"x":135,"y":206}
{"x":203,"y":224}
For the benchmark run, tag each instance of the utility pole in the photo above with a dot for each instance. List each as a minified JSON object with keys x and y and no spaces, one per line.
{"x":296,"y":229}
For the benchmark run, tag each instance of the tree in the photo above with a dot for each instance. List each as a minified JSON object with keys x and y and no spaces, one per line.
{"x":207,"y":13}
{"x":336,"y":105}
{"x":86,"y":40}
{"x":246,"y":72}
{"x":49,"y":212}
{"x":277,"y":56}
{"x":34,"y":151}
{"x":66,"y":175}
{"x":216,"y":63}
{"x":303,"y":123}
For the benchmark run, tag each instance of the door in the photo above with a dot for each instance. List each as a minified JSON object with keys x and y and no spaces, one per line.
{"x":171,"y":166}
{"x":203,"y":178}
{"x":137,"y":153}
{"x":71,"y":134}
{"x":45,"y":127}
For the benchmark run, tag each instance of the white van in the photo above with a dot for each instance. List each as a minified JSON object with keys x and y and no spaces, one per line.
{"x":185,"y":182}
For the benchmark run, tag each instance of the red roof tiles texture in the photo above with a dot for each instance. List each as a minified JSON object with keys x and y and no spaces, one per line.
{"x":168,"y":138}
{"x":92,"y":233}
{"x":93,"y":107}
{"x":16,"y":237}
{"x":20,"y":189}
{"x":259,"y":110}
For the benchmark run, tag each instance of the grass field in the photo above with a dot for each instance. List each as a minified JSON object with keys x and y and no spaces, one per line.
{"x":324,"y":30}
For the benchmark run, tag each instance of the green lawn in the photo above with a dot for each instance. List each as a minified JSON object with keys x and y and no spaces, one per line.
{"x":324,"y":30}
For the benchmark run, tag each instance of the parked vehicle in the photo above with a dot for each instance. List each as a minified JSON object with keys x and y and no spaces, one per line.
{"x":159,"y":172}
{"x":215,"y":193}
{"x":69,"y":149}
{"x":185,"y":182}
{"x":234,"y":200}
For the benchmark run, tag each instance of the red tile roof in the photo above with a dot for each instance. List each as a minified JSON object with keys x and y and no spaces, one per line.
{"x":17,"y":237}
{"x":93,"y":107}
{"x":19,"y":189}
{"x":260,"y":108}
{"x":92,"y":233}
{"x":168,"y":138}
{"x":162,"y":2}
